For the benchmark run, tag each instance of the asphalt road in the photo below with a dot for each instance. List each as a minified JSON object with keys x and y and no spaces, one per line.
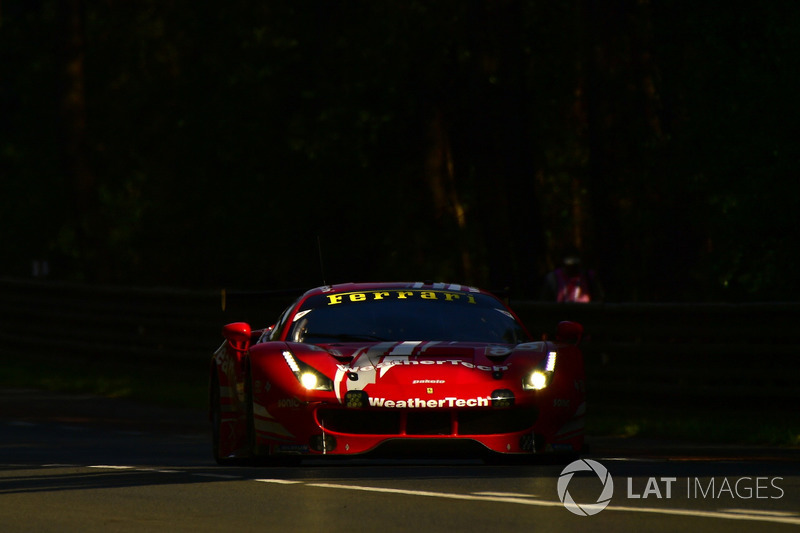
{"x":78,"y":463}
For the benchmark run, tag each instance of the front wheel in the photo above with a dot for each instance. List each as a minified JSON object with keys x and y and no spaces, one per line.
{"x":216,"y":423}
{"x":216,"y":430}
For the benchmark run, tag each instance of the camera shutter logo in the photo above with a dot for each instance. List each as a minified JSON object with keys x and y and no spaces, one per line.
{"x":585,"y":465}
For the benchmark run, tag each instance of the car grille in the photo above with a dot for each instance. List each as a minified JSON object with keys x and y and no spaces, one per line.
{"x":417,"y":422}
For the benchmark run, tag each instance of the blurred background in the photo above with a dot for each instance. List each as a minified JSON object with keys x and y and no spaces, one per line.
{"x":206,"y":144}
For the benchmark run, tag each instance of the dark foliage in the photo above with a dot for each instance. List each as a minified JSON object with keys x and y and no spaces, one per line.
{"x":208,"y":144}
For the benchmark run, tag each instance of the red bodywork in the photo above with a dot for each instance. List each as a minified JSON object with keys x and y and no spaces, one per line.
{"x":389,"y":391}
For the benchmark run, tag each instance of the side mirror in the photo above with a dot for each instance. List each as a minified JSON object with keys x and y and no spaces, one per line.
{"x":570,"y":332}
{"x":237,"y":335}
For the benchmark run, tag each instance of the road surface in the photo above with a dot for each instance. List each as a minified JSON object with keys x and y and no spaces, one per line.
{"x":79,"y":463}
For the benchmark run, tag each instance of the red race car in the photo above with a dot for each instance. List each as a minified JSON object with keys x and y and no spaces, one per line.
{"x":356,"y":368}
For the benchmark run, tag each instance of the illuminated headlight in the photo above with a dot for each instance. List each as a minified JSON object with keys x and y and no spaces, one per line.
{"x":309,"y":378}
{"x":538,"y":380}
{"x":291,"y":362}
{"x":550,"y":366}
{"x":542,"y":375}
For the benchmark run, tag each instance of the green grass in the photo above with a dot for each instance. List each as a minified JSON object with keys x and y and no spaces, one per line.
{"x":186,"y":384}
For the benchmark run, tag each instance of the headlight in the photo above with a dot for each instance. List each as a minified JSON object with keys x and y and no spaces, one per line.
{"x":538,"y":380}
{"x":551,"y":362}
{"x":309,"y":378}
{"x":542,"y":375}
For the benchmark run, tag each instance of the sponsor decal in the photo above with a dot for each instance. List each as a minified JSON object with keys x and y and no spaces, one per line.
{"x":498,"y":351}
{"x":422,"y":403}
{"x":424,"y":381}
{"x":257,"y":386}
{"x":420,"y":362}
{"x":375,"y":361}
{"x":408,"y":294}
{"x":536,"y":346}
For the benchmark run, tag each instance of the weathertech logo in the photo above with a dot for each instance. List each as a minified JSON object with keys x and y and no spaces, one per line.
{"x":422,"y":403}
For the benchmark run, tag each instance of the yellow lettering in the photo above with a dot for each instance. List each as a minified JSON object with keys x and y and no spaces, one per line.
{"x":334,"y":299}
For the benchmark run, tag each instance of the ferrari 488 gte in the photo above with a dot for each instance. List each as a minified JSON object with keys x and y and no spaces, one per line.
{"x":358,"y":368}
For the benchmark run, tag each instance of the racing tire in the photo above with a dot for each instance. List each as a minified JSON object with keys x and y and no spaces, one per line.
{"x":216,"y":423}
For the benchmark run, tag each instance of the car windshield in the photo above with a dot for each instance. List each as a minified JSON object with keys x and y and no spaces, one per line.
{"x":404,"y":315}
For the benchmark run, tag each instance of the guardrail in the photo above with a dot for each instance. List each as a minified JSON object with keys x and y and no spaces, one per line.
{"x":679,"y":353}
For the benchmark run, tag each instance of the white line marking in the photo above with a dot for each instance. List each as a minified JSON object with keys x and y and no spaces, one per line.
{"x":762,"y":513}
{"x":779,"y":517}
{"x":505,"y":494}
{"x":544,"y":503}
{"x":630,"y":459}
{"x":708,"y":514}
{"x":447,"y":495}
